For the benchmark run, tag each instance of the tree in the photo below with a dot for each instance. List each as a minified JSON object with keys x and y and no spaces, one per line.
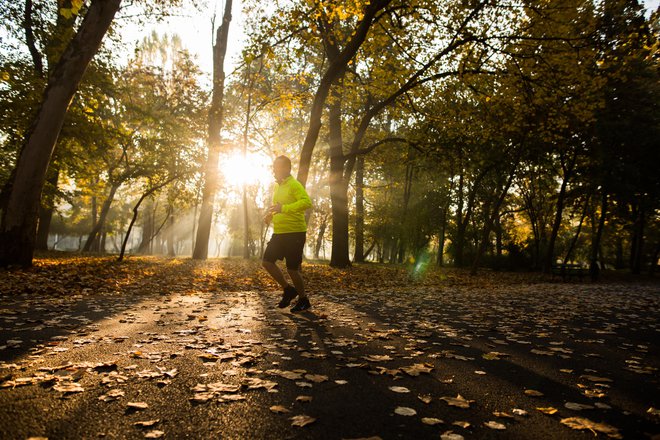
{"x":214,"y":140}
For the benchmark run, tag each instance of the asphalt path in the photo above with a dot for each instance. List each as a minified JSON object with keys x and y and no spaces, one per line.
{"x":375,"y":363}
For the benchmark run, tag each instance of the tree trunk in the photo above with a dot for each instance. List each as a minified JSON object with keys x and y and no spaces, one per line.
{"x":170,"y":235}
{"x":19,"y":217}
{"x":550,"y":252}
{"x":359,"y":255}
{"x":441,"y":238}
{"x":216,"y":113}
{"x":147,"y":229}
{"x":319,"y":238}
{"x":571,"y":247}
{"x":594,"y":266}
{"x":338,"y":187}
{"x":47,"y":207}
{"x":637,"y":248}
{"x":104,"y":212}
{"x":488,"y":226}
{"x":335,"y":69}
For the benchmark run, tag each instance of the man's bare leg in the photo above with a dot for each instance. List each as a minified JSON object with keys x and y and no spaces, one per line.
{"x":275,"y":272}
{"x":298,"y":282}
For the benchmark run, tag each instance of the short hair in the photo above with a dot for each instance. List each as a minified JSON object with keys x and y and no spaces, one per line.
{"x":285,"y":159}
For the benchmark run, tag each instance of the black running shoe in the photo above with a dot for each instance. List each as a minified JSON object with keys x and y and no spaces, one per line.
{"x":290,"y":292}
{"x":302,"y":304}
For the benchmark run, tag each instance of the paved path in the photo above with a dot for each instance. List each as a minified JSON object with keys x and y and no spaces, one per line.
{"x":416,"y":362}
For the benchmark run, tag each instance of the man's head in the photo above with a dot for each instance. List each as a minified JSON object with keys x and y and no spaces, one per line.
{"x":281,"y":168}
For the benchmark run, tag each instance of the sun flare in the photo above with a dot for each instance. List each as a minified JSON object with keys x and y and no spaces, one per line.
{"x":251,"y":169}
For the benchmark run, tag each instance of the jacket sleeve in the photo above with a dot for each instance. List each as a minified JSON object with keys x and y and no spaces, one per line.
{"x":302,"y":202}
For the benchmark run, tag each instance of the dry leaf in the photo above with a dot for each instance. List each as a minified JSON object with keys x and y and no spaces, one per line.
{"x":316,"y":378}
{"x":494,"y":425}
{"x":137,"y":405}
{"x":405,"y":411}
{"x":154,"y":434}
{"x":431,"y":421}
{"x":519,"y":412}
{"x":577,"y":406}
{"x":399,"y":389}
{"x":304,"y":398}
{"x":534,"y":393}
{"x":279,"y":409}
{"x":462,"y":424}
{"x":549,"y":410}
{"x":69,"y":387}
{"x":580,"y":423}
{"x":451,"y":435}
{"x":458,"y":401}
{"x":146,"y":423}
{"x":426,"y":398}
{"x":302,"y":420}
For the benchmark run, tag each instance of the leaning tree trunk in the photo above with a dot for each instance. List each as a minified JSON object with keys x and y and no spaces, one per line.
{"x":19,"y":217}
{"x":335,"y":69}
{"x":216,"y":112}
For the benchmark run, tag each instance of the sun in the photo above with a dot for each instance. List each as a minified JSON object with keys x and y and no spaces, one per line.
{"x":251,"y":169}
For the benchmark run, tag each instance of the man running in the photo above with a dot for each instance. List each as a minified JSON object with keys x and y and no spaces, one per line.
{"x":290,"y":200}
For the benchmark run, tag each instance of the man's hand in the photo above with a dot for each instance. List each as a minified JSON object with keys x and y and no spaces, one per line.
{"x":275,"y":209}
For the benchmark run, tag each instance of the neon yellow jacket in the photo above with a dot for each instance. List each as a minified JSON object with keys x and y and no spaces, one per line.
{"x":294,"y":200}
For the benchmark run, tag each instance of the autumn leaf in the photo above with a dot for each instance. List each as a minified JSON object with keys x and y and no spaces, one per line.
{"x":458,"y":401}
{"x":405,"y":411}
{"x":399,"y":389}
{"x":279,"y":409}
{"x":431,"y":421}
{"x":494,"y":425}
{"x":580,"y":423}
{"x":302,"y":420}
{"x":549,"y":410}
{"x":534,"y":393}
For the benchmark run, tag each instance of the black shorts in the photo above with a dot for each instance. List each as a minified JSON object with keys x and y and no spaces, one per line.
{"x":287,"y":246}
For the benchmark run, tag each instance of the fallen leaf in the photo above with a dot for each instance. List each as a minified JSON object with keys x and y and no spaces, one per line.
{"x":154,"y":434}
{"x":69,"y":387}
{"x":302,"y":420}
{"x":146,"y":423}
{"x":534,"y":393}
{"x":304,"y":398}
{"x":316,"y":378}
{"x":577,"y":406}
{"x":405,"y":411}
{"x":595,"y":378}
{"x":426,"y":398}
{"x":137,"y":405}
{"x":549,"y":410}
{"x":458,"y":401}
{"x":519,"y":412}
{"x":494,"y":425}
{"x":580,"y":423}
{"x":451,"y":435}
{"x":400,"y":389}
{"x":502,"y":414}
{"x":431,"y":421}
{"x":279,"y":409}
{"x":462,"y":424}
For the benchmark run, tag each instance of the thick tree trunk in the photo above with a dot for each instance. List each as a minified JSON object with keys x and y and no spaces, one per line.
{"x":216,"y":113}
{"x":359,"y":254}
{"x":19,"y":218}
{"x":47,"y":207}
{"x":338,"y":187}
{"x":147,"y":229}
{"x":99,"y":225}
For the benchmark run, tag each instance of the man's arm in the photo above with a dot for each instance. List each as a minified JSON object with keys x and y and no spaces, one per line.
{"x":302,"y":202}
